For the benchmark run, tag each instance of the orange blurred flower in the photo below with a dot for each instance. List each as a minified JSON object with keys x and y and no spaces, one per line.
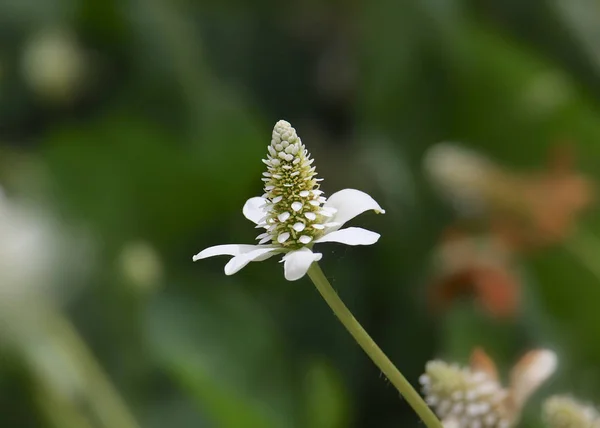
{"x":478,"y":266}
{"x":511,"y":214}
{"x":530,"y":210}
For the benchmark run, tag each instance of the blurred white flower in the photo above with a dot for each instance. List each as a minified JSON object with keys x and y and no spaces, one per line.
{"x":34,"y":251}
{"x":54,"y":65}
{"x":294,"y":213}
{"x":461,"y":175}
{"x":27,"y":252}
{"x":565,"y":412}
{"x":472,"y":397}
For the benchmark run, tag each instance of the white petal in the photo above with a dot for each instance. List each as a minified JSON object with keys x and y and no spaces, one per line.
{"x":224,"y":250}
{"x":265,"y":240}
{"x":350,"y":236}
{"x":350,"y":203}
{"x":260,"y":253}
{"x":254,"y":209}
{"x":533,"y":369}
{"x":296,"y":263}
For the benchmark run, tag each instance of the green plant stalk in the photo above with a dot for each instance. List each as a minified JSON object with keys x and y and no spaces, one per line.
{"x":370,"y":347}
{"x":60,"y":412}
{"x":585,"y":247}
{"x":109,"y":406}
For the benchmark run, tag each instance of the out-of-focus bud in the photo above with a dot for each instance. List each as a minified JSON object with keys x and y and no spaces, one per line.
{"x":141,"y":265}
{"x":54,"y":65}
{"x":566,"y":412}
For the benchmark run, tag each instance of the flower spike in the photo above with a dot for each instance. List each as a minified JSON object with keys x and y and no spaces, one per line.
{"x":473,"y":397}
{"x":294,"y":213}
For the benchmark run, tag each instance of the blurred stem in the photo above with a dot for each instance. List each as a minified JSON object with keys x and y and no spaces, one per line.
{"x":59,"y":412}
{"x":370,"y":347}
{"x":585,"y":247}
{"x":102,"y":394}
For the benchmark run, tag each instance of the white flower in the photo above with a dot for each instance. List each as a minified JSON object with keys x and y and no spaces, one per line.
{"x":38,"y":257}
{"x":472,"y":397}
{"x":293,"y":212}
{"x":565,"y":412}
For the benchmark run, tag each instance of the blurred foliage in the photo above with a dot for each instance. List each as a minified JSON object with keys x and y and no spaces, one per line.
{"x":146,"y":121}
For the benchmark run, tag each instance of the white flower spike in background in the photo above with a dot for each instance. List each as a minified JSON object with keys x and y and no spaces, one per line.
{"x":565,"y":412}
{"x":293,"y":212}
{"x":472,"y":397}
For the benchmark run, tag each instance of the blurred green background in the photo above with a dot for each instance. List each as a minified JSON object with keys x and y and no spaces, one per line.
{"x":143,"y":122}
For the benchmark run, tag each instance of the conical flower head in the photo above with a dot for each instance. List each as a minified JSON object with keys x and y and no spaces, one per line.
{"x":295,"y":216}
{"x":471,"y":399}
{"x":565,"y":412}
{"x":294,"y":212}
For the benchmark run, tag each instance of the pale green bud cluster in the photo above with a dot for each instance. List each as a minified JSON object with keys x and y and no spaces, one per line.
{"x":565,"y":412}
{"x":470,"y":399}
{"x":295,"y":215}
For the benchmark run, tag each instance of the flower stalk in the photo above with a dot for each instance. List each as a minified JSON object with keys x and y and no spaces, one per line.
{"x":585,"y":246}
{"x":370,"y":347}
{"x":92,"y":384}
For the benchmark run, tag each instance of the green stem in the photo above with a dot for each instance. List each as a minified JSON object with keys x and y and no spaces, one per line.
{"x":106,"y":400}
{"x":370,"y":347}
{"x":586,"y":248}
{"x":60,"y":412}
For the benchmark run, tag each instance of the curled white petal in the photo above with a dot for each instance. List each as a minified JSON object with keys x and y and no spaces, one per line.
{"x":259,"y":253}
{"x":350,"y":236}
{"x":224,"y":250}
{"x":530,"y":372}
{"x":254,"y":209}
{"x":349,"y":203}
{"x":296,"y":263}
